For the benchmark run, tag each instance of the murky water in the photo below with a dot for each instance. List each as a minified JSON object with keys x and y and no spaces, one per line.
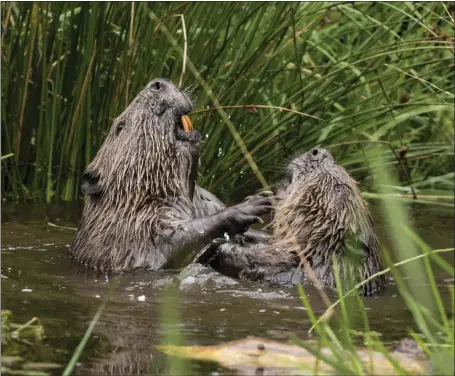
{"x":39,"y":279}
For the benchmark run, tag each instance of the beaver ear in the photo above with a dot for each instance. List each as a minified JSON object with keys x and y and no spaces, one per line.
{"x":90,"y":182}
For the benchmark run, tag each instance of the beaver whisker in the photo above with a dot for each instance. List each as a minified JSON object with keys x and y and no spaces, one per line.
{"x":193,"y":90}
{"x":282,"y":166}
{"x":190,"y":91}
{"x":270,"y":169}
{"x":296,"y":164}
{"x":192,"y":87}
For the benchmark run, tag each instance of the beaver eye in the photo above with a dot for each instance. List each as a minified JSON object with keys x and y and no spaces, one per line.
{"x":339,"y":189}
{"x":119,"y":127}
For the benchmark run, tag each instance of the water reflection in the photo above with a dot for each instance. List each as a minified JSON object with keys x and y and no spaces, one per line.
{"x":39,"y":279}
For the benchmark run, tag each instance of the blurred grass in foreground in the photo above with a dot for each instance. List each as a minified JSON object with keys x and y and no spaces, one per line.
{"x":416,"y":283}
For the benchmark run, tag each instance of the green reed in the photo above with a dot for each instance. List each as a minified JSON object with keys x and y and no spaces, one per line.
{"x":370,"y":71}
{"x":82,"y":344}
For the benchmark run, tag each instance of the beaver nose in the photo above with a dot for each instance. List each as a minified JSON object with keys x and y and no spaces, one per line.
{"x":318,"y":154}
{"x":158,"y":84}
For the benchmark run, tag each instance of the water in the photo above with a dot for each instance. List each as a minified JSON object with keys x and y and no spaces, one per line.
{"x":39,"y":279}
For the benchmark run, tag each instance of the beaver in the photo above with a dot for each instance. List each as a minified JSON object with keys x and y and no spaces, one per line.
{"x":319,"y":214}
{"x":144,"y":208}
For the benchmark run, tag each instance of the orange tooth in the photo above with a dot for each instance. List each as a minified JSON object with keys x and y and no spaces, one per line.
{"x":187,"y":124}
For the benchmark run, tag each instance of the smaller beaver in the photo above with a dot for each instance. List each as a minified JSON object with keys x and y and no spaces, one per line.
{"x":320,"y":214}
{"x":144,"y":208}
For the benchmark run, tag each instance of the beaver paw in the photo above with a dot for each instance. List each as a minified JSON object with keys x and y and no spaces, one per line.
{"x":209,"y":252}
{"x":239,"y":217}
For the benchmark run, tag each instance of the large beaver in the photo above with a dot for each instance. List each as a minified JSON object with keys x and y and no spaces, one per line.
{"x":143,"y":207}
{"x":320,"y":214}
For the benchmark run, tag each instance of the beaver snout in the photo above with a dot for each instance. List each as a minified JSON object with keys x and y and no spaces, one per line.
{"x":160,"y":84}
{"x":318,"y":154}
{"x":164,"y":96}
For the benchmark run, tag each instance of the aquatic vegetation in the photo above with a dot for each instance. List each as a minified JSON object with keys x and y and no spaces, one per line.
{"x":29,"y":333}
{"x":371,"y":82}
{"x":21,"y":345}
{"x":366,"y":73}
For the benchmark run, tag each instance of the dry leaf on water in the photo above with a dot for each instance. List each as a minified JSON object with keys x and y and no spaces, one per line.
{"x":252,"y":353}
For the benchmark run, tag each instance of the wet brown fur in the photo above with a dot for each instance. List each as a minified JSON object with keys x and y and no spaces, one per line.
{"x":143,"y":202}
{"x":138,"y":174}
{"x":320,"y":214}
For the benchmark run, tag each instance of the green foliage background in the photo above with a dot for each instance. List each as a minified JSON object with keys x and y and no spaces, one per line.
{"x":371,"y":72}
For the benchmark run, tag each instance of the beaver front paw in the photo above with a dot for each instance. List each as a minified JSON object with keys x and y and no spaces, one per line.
{"x":239,"y":217}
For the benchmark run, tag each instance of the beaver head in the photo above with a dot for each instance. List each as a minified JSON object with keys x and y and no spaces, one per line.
{"x":321,"y":214}
{"x":147,"y":152}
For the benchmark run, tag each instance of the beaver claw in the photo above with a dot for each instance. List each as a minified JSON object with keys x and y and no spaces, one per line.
{"x":239,"y":217}
{"x":260,"y":194}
